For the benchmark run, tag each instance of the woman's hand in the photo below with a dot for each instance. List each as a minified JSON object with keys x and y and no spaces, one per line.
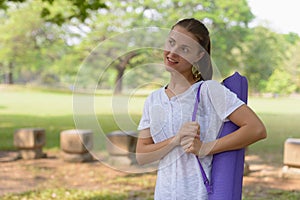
{"x":187,"y":134}
{"x":194,"y":147}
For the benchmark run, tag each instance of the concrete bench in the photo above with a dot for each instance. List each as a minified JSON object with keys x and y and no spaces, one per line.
{"x":291,"y":155}
{"x":121,"y":147}
{"x":76,"y":145}
{"x":30,"y":142}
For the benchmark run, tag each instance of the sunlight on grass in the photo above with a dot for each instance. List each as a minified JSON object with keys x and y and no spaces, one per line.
{"x":53,"y":111}
{"x":283,"y":105}
{"x":35,"y":103}
{"x":281,"y":118}
{"x":28,"y":107}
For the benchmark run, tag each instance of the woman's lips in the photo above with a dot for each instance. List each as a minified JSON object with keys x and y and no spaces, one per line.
{"x":171,"y":61}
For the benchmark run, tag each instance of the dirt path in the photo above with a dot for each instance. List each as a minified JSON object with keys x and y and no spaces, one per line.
{"x":265,"y":177}
{"x":24,"y":175}
{"x":52,"y":172}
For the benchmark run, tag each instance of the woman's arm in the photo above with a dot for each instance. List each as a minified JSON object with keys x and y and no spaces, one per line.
{"x":251,"y":130}
{"x":147,"y":151}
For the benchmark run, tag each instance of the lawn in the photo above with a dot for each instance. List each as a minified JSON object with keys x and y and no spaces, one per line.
{"x":281,"y":117}
{"x":53,"y":110}
{"x":26,"y":107}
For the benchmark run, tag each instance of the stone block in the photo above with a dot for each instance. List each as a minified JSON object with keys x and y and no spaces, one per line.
{"x":121,"y":143}
{"x":246,"y":169}
{"x":76,"y":141}
{"x":71,"y":157}
{"x":291,"y":156}
{"x":29,"y":138}
{"x":120,"y":161}
{"x":28,"y":154}
{"x":290,"y":172}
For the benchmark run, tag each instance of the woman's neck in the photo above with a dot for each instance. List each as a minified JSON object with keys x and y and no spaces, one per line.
{"x":179,"y":84}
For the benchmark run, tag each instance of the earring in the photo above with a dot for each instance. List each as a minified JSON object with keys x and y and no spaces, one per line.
{"x":195,"y":72}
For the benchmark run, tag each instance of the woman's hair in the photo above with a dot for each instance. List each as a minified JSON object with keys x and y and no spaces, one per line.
{"x":199,"y":30}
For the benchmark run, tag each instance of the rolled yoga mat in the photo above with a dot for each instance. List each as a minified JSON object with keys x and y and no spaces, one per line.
{"x":228,"y":167}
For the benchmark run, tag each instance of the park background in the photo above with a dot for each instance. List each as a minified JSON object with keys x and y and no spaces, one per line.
{"x":44,"y":43}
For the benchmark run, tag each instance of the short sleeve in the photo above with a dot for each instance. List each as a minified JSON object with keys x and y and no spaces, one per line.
{"x":145,"y":119}
{"x":223,"y":100}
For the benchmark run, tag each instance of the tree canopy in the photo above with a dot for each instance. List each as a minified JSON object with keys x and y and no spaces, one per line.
{"x":59,"y":35}
{"x":79,"y":9}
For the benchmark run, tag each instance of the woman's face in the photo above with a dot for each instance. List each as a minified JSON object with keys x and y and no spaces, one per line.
{"x":181,"y":50}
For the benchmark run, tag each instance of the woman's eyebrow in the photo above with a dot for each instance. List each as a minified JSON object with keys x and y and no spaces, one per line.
{"x":187,"y":46}
{"x":182,"y":45}
{"x":170,"y":38}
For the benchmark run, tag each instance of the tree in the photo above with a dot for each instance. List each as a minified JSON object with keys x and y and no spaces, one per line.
{"x":79,"y":9}
{"x":28,"y":48}
{"x":229,"y":31}
{"x":57,"y":49}
{"x":292,"y":64}
{"x":228,"y":22}
{"x":280,"y":82}
{"x":264,"y":51}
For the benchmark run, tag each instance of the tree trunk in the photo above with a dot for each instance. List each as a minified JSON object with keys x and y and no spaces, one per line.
{"x":121,"y":67}
{"x":119,"y":81}
{"x":9,"y":75}
{"x":2,"y":74}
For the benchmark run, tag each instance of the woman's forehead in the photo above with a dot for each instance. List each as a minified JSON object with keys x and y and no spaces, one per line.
{"x":183,"y":37}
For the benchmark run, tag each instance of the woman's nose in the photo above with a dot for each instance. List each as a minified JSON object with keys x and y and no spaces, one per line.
{"x":173,"y":51}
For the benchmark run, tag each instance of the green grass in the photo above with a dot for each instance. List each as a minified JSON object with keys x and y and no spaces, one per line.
{"x":281,"y":118}
{"x":273,"y":194}
{"x":26,"y":107}
{"x":53,"y":111}
{"x":67,"y":194}
{"x":73,"y":194}
{"x":22,"y":107}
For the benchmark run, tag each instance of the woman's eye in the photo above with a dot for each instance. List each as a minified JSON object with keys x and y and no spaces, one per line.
{"x":172,"y":42}
{"x":185,"y":49}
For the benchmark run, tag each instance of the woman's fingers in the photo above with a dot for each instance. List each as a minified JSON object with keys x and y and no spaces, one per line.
{"x":191,"y":146}
{"x":187,"y":141}
{"x":186,"y":147}
{"x":187,"y":133}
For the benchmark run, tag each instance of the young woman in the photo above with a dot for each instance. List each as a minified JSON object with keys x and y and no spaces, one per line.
{"x":166,"y":131}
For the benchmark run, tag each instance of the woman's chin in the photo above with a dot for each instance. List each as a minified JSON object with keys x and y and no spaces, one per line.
{"x":169,"y":69}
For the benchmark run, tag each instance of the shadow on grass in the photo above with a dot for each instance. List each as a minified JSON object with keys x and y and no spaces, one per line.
{"x":259,"y":192}
{"x":53,"y":125}
{"x":66,"y":194}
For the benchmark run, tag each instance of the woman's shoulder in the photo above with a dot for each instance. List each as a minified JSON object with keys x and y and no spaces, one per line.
{"x":208,"y":86}
{"x":213,"y":86}
{"x":212,"y":83}
{"x":156,"y":94}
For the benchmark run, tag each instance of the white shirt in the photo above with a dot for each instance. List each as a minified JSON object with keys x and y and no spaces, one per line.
{"x":179,"y":175}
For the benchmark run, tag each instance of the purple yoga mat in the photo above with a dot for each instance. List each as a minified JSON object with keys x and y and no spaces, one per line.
{"x":228,"y":167}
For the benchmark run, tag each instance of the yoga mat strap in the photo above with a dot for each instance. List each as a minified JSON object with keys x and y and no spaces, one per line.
{"x":207,"y":184}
